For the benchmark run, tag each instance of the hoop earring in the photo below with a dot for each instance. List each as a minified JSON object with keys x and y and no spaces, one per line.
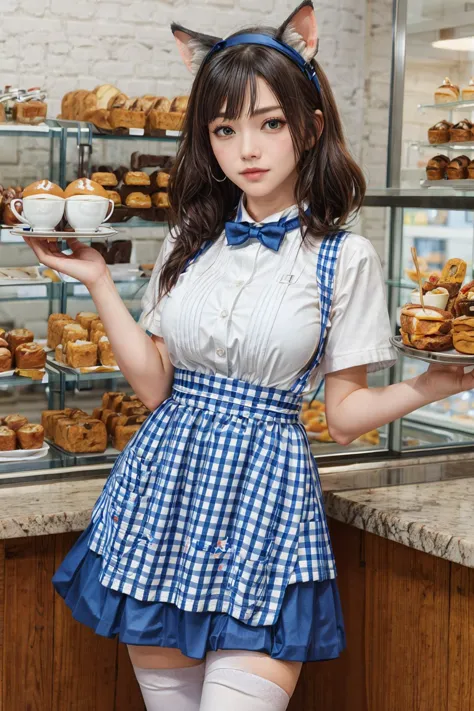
{"x":221,"y":180}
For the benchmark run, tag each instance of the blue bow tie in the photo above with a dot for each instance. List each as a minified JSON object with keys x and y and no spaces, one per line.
{"x":270,"y":233}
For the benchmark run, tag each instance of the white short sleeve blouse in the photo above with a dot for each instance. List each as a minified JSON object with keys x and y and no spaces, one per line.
{"x":251,"y":313}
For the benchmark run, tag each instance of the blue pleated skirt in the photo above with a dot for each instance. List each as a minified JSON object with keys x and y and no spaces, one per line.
{"x":309,"y":628}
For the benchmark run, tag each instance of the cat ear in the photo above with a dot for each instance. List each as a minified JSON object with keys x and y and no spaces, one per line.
{"x":300,"y":31}
{"x":193,"y":46}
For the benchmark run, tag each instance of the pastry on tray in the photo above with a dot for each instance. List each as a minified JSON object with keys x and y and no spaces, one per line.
{"x":86,"y":319}
{"x":136,"y":177}
{"x":14,"y":422}
{"x":17,"y":336}
{"x":106,"y":355}
{"x":30,"y":355}
{"x":439,"y":133}
{"x":108,"y":180}
{"x":7,"y":439}
{"x":457,"y":169}
{"x":75,"y":436}
{"x":30,"y":436}
{"x":55,"y":328}
{"x":138,"y":200}
{"x":451,"y":278}
{"x":463,"y":334}
{"x":73,"y":332}
{"x":428,"y":329}
{"x":467,"y":93}
{"x":436,"y":167}
{"x":461,"y":132}
{"x":6,"y":360}
{"x":123,"y":434}
{"x":81,"y":354}
{"x":446,"y":93}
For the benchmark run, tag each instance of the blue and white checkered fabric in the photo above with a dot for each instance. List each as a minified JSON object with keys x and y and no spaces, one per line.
{"x":216,"y":503}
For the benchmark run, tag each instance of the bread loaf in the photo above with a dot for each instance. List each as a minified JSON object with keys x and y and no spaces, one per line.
{"x":89,"y":436}
{"x":30,"y":436}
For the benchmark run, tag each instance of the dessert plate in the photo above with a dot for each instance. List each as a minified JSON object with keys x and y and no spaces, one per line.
{"x":18,"y":455}
{"x":451,"y":357}
{"x":101,"y":233}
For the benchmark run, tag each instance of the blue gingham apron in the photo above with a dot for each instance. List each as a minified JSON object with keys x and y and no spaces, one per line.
{"x":216,"y":504}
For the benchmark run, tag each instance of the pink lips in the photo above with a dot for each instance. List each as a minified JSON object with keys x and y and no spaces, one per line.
{"x":254,"y":173}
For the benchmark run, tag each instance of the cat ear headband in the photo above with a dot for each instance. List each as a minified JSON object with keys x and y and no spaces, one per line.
{"x":296,"y":38}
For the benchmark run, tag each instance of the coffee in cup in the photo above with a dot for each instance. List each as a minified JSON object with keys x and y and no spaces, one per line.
{"x":87,"y":205}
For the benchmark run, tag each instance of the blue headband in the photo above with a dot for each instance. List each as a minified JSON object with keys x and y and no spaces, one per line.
{"x":267,"y":41}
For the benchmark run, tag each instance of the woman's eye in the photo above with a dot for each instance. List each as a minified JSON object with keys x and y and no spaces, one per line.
{"x":274,"y":123}
{"x":227,"y":131}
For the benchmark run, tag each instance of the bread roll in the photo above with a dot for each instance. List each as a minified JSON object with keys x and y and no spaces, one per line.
{"x":43,"y":187}
{"x":446,"y":93}
{"x":14,"y":422}
{"x":138,"y":200}
{"x":6,"y":360}
{"x":30,"y":436}
{"x":136,"y":177}
{"x":106,"y":179}
{"x":436,"y":167}
{"x":461,"y":131}
{"x":179,"y":104}
{"x":30,"y":355}
{"x":84,"y":186}
{"x":457,"y":168}
{"x":7,"y":439}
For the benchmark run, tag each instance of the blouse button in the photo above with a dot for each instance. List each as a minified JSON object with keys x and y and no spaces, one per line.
{"x":239,"y":283}
{"x":224,"y":314}
{"x":220,"y":352}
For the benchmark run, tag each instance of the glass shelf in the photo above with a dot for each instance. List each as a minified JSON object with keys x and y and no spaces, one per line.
{"x":18,"y":129}
{"x":71,"y":376}
{"x":30,"y":291}
{"x":462,"y":146}
{"x":400,"y":284}
{"x":442,"y":198}
{"x":450,"y":106}
{"x":17,"y":380}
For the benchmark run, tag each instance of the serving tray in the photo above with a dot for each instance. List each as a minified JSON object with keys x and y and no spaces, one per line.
{"x":450,"y":357}
{"x":100,"y":233}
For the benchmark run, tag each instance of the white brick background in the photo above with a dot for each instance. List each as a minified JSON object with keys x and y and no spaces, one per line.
{"x":69,"y":44}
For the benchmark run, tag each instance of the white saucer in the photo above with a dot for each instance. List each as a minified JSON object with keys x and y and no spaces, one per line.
{"x":18,"y":455}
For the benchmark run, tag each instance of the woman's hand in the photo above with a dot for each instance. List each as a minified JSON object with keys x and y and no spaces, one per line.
{"x":441,"y":381}
{"x":84,"y":264}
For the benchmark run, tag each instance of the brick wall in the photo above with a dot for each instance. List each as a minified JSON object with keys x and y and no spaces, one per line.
{"x":69,"y":44}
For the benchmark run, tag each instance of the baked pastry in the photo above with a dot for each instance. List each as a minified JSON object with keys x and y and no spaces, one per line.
{"x":74,"y":332}
{"x":6,"y":360}
{"x":3,"y":343}
{"x":47,"y":419}
{"x":124,"y":118}
{"x":14,"y":422}
{"x":43,"y":187}
{"x":428,"y":329}
{"x":75,"y":436}
{"x":457,"y":168}
{"x":436,"y":167}
{"x":123,"y":434}
{"x":3,"y":116}
{"x":60,"y":354}
{"x":54,"y":336}
{"x":117,"y":200}
{"x":106,"y":179}
{"x":138,"y":200}
{"x":168,"y":121}
{"x":81,"y":354}
{"x":86,"y":319}
{"x":30,"y":436}
{"x":463,"y":334}
{"x":461,"y":131}
{"x":371,"y":437}
{"x":439,"y":133}
{"x":446,"y":93}
{"x":84,"y":186}
{"x":136,"y":177}
{"x":162,"y":179}
{"x":106,"y":356}
{"x":467,"y":93}
{"x":108,"y":399}
{"x":161,"y":200}
{"x":179,"y":103}
{"x":30,"y":355}
{"x":17,"y":336}
{"x":3,"y":332}
{"x":29,"y":112}
{"x":7,"y":439}
{"x":454,"y":271}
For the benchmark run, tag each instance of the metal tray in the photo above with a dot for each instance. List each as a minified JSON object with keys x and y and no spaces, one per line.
{"x":450,"y":357}
{"x":100,"y":233}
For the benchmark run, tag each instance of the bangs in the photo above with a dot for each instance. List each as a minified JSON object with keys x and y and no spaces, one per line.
{"x":230,"y":81}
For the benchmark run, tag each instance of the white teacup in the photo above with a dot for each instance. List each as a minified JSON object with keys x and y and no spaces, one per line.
{"x":40,"y":212}
{"x":85,"y":213}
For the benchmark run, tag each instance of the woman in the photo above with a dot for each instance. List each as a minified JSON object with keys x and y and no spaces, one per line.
{"x":208,"y":551}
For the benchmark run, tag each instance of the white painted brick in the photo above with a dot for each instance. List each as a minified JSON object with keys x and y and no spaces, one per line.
{"x":34,"y":7}
{"x":19,"y":25}
{"x":79,"y":9}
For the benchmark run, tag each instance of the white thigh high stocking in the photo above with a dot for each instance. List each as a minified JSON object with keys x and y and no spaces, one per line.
{"x":235,"y":688}
{"x":171,"y":689}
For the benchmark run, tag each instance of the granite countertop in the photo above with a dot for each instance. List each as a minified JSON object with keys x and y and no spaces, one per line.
{"x":433,"y":515}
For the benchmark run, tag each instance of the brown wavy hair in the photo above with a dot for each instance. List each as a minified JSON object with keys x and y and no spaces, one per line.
{"x":328,"y":177}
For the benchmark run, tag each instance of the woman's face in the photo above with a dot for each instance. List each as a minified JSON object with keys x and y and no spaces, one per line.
{"x":256,"y":152}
